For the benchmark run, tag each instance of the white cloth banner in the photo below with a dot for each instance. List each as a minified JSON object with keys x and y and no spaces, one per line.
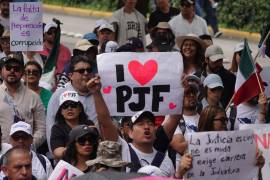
{"x":64,"y":170}
{"x":222,"y":155}
{"x":26,"y":27}
{"x":262,"y":139}
{"x":141,"y":81}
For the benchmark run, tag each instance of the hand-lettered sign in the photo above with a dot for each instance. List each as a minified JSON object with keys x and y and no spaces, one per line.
{"x":26,"y":27}
{"x":262,"y":139}
{"x":133,"y":82}
{"x":223,"y":155}
{"x":64,"y":170}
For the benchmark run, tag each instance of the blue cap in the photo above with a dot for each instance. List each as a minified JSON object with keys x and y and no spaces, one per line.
{"x":92,"y":37}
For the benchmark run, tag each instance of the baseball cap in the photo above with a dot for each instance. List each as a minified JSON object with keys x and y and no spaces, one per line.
{"x":83,"y":45}
{"x":68,"y":96}
{"x":239,"y":47}
{"x":14,"y":57}
{"x":214,"y":53}
{"x":49,"y":25}
{"x":141,"y":114}
{"x":109,"y":154}
{"x":80,"y":131}
{"x":152,"y":171}
{"x":111,"y":46}
{"x":106,"y":26}
{"x":21,"y":126}
{"x":92,"y":37}
{"x":213,"y":81}
{"x":135,"y":42}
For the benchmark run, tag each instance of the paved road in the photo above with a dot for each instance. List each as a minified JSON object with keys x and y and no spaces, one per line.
{"x":75,"y":25}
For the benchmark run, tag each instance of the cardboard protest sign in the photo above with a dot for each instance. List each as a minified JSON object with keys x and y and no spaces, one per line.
{"x":26,"y":27}
{"x":64,"y":170}
{"x":222,"y":155}
{"x":262,"y":139}
{"x":265,"y":74}
{"x":141,"y":81}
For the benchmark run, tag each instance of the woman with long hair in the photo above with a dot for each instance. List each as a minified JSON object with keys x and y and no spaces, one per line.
{"x":69,"y":115}
{"x":82,"y":146}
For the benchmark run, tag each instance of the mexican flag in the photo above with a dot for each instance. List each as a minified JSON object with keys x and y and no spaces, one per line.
{"x":247,"y":84}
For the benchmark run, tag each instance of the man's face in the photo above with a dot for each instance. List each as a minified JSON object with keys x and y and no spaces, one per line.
{"x":187,"y":9}
{"x":190,"y":100}
{"x":21,"y":139}
{"x":49,"y":36}
{"x":4,"y":8}
{"x":5,"y":45}
{"x":143,"y":131}
{"x":12,"y":73}
{"x":81,"y":74}
{"x":215,"y":66}
{"x":19,"y":167}
{"x":105,"y":35}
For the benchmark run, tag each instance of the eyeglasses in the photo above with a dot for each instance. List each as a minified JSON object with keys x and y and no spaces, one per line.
{"x":82,"y":71}
{"x":82,"y":140}
{"x":33,"y":72}
{"x":8,"y":67}
{"x":70,"y":104}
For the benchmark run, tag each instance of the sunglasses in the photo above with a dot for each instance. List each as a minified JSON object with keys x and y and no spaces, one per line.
{"x":17,"y":137}
{"x":33,"y":72}
{"x":82,"y":71}
{"x":82,"y":140}
{"x":15,"y":68}
{"x":70,"y":104}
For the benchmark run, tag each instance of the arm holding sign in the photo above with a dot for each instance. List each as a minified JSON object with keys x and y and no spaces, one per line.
{"x":107,"y":128}
{"x":263,"y":105}
{"x":184,"y":165}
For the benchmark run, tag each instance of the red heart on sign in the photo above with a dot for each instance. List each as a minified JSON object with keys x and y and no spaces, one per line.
{"x":172,"y":105}
{"x":107,"y":90}
{"x":143,"y":73}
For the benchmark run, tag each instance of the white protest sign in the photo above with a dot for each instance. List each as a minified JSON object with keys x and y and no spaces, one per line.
{"x":223,"y":155}
{"x":141,"y":81}
{"x":26,"y":27}
{"x":265,"y":74}
{"x":64,"y":170}
{"x":262,"y":139}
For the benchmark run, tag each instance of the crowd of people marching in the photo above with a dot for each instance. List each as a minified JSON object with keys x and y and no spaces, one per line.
{"x":52,"y":108}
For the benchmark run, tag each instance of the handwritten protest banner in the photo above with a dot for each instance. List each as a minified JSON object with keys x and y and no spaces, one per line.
{"x":223,"y":155}
{"x":262,"y":139}
{"x":64,"y":170}
{"x":26,"y":27}
{"x":141,"y":81}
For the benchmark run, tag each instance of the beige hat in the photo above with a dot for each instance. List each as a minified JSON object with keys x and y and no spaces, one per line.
{"x":214,"y":53}
{"x":194,"y":37}
{"x":163,"y":25}
{"x":106,"y":26}
{"x":83,"y":45}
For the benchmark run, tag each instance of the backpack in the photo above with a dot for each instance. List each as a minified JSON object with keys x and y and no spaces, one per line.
{"x":42,"y":160}
{"x":136,"y":165}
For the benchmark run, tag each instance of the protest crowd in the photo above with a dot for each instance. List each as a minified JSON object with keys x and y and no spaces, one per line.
{"x":54,"y":105}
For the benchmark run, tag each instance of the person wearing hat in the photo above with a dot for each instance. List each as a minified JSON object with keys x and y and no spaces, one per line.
{"x":18,"y":102}
{"x":187,"y":21}
{"x":163,"y":13}
{"x":213,"y":88}
{"x":82,"y":147}
{"x":50,"y":37}
{"x":21,"y":137}
{"x":192,"y":49}
{"x":214,"y":64}
{"x":80,"y":71}
{"x":109,"y":157}
{"x":236,"y":57}
{"x":136,"y":43}
{"x":106,"y":32}
{"x":92,"y":38}
{"x":189,"y":121}
{"x":70,"y":114}
{"x":4,"y":14}
{"x":147,"y":143}
{"x":129,"y":22}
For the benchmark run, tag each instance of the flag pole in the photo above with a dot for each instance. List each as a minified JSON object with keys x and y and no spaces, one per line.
{"x":230,"y":102}
{"x":266,"y":37}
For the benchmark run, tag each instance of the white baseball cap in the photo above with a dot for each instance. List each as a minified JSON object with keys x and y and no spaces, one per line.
{"x":111,"y":46}
{"x":68,"y":96}
{"x":151,"y":171}
{"x":213,"y":81}
{"x":21,"y":126}
{"x":239,"y":47}
{"x":106,"y":26}
{"x":49,"y":25}
{"x":214,"y":53}
{"x":140,"y":114}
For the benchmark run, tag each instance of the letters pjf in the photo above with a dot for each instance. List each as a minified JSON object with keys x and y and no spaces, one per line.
{"x":132,"y":82}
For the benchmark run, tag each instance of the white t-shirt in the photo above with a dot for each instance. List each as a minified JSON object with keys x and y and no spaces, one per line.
{"x":191,"y":123}
{"x":133,"y":25}
{"x":246,"y":115}
{"x":166,"y":166}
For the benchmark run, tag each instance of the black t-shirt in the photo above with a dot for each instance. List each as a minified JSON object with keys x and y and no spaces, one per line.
{"x":60,"y":132}
{"x":158,"y":16}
